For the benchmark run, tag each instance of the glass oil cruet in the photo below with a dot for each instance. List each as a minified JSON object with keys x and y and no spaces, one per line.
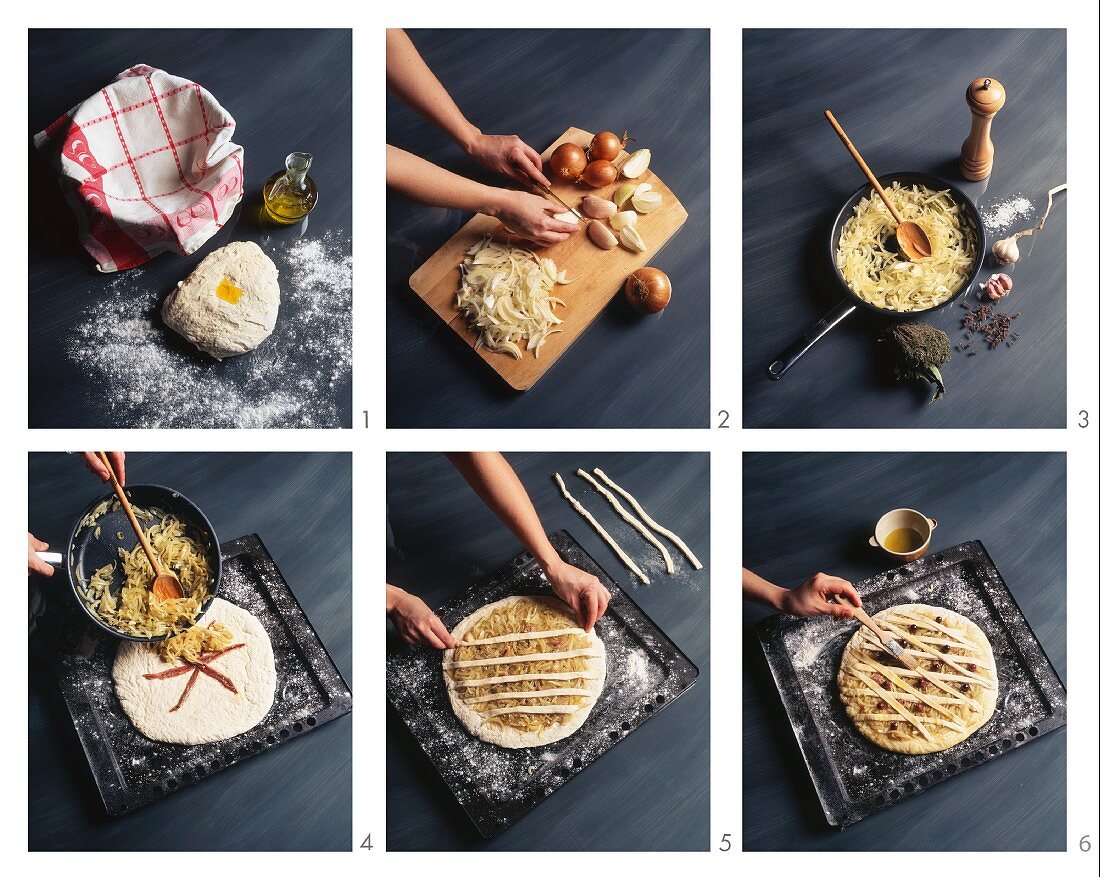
{"x":289,"y":196}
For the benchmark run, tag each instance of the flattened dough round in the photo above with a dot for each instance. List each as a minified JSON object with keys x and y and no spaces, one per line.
{"x":951,"y":695}
{"x":211,"y":712}
{"x":240,"y":321}
{"x":552,"y":726}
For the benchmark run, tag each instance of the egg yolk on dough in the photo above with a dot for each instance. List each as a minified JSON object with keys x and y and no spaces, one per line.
{"x":229,"y":291}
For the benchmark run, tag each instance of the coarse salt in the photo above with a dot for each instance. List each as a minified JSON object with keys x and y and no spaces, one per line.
{"x":1002,"y":214}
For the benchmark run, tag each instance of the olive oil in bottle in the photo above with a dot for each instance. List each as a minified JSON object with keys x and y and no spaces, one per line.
{"x":290,"y":195}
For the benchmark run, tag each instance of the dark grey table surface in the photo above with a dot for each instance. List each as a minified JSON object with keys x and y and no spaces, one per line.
{"x":626,"y":370}
{"x":286,"y":89}
{"x":900,"y":95}
{"x":447,"y":539}
{"x":294,"y":797}
{"x":809,"y":512}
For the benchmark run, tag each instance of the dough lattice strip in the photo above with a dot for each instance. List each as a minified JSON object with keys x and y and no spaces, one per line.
{"x":526,"y":695}
{"x":584,"y":513}
{"x":668,"y":534}
{"x":520,"y":637}
{"x":889,"y":698}
{"x":524,"y":677}
{"x":564,"y":709}
{"x":895,"y":678}
{"x":535,"y":658}
{"x":630,"y":519}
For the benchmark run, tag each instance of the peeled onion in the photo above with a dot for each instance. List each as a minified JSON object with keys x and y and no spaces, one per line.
{"x":600,"y":173}
{"x":648,"y":290}
{"x":568,"y":161}
{"x":606,"y":146}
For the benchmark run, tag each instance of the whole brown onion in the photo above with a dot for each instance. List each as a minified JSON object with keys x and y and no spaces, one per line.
{"x":568,"y":162}
{"x":648,"y":290}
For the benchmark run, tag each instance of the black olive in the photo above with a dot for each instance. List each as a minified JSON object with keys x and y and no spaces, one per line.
{"x":939,"y":619}
{"x":966,"y":686}
{"x":912,"y":628}
{"x":893,"y":726}
{"x":904,"y":643}
{"x":945,"y":649}
{"x":880,"y":705}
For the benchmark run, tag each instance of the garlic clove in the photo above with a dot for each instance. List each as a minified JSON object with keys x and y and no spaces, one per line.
{"x":632,"y":240}
{"x":623,"y":218}
{"x":601,"y":236}
{"x":997,"y":286}
{"x":567,"y":216}
{"x":642,"y":187}
{"x":637,"y":164}
{"x":598,"y":208}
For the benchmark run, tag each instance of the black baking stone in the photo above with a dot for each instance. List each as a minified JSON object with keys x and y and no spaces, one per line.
{"x":855,"y":778}
{"x":132,"y":770}
{"x":497,"y":786}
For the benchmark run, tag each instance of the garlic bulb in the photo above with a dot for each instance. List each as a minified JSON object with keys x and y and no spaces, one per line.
{"x":1006,"y":252}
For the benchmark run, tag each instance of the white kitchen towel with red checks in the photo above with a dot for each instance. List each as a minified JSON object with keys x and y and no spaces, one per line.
{"x":148,"y":164}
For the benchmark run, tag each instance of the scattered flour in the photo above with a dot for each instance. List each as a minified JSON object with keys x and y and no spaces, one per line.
{"x":149,"y":378}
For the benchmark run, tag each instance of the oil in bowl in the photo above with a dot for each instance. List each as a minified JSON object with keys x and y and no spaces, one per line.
{"x":903,"y":540}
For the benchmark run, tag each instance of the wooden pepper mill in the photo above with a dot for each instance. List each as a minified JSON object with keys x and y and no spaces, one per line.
{"x":985,"y":97}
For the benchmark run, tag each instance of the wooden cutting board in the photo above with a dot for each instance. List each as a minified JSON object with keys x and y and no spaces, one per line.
{"x":597,"y":274}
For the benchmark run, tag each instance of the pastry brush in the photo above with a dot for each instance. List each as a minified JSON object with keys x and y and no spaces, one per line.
{"x":891,"y":645}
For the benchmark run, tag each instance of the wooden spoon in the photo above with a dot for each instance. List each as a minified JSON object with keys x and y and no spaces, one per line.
{"x":912,"y":241}
{"x":891,"y":644}
{"x":165,"y":584}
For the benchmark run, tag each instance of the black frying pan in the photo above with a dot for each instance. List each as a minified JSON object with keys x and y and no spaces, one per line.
{"x":85,"y":553}
{"x":851,"y":301}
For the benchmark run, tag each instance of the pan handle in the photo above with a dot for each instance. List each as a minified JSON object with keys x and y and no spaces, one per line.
{"x":53,"y":558}
{"x":795,"y":352}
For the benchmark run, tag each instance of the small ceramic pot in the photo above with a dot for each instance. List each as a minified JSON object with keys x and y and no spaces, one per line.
{"x":897,"y":519}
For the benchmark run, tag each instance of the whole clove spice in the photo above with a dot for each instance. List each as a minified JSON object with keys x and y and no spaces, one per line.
{"x":991,"y":325}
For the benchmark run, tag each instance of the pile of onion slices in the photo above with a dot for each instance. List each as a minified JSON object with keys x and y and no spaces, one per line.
{"x":505,"y":292}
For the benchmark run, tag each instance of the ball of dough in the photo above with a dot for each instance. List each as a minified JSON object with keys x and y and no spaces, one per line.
{"x":229,"y":303}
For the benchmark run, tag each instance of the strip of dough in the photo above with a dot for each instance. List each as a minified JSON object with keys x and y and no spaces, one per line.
{"x":583,"y":512}
{"x":519,"y":637}
{"x":523,"y":659}
{"x":552,"y":710}
{"x":522,"y":695}
{"x":630,"y":519}
{"x":524,"y":677}
{"x":672,"y":537}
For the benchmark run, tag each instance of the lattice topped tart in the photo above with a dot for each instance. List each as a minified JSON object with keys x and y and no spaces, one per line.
{"x":523,"y":673}
{"x":951,"y":694}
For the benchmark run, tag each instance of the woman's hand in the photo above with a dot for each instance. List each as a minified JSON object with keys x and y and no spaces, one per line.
{"x":812,"y":597}
{"x":36,"y":564}
{"x":415,"y":622}
{"x":507,"y":154}
{"x":584,"y":593}
{"x":118,"y":463}
{"x":530,"y":216}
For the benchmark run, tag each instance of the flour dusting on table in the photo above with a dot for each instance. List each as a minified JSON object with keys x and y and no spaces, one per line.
{"x":147,"y":377}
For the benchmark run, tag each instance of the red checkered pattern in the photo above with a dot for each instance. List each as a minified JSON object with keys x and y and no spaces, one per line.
{"x":148,"y":164}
